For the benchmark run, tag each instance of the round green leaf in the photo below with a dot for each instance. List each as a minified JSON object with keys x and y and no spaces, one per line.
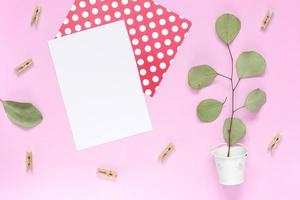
{"x":250,"y":64}
{"x":255,"y":100}
{"x":209,"y":109}
{"x":22,"y":114}
{"x":238,"y":130}
{"x":227,"y":27}
{"x":201,"y":76}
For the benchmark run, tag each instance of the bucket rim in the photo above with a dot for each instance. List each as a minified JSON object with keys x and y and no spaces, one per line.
{"x":231,"y":157}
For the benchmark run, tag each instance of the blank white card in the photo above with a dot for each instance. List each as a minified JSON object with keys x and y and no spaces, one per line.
{"x":100,"y":85}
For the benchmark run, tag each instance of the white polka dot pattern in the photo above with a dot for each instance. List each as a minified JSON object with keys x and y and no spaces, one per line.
{"x":155,"y":32}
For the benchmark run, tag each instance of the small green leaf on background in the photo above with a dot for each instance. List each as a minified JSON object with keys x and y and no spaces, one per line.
{"x":250,"y":64}
{"x":255,"y":100}
{"x":201,"y":76}
{"x":228,"y":26}
{"x":238,"y":130}
{"x":25,"y":115}
{"x":209,"y":109}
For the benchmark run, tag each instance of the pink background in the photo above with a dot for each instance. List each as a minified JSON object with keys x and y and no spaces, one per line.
{"x":61,"y":172}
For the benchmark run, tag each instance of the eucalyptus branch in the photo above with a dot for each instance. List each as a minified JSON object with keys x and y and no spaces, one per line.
{"x":237,"y":84}
{"x":232,"y":102}
{"x":248,"y":64}
{"x":239,"y":108}
{"x":224,"y":76}
{"x":224,"y":101}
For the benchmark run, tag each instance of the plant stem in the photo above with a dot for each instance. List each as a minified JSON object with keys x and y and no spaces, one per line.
{"x":238,"y":108}
{"x":237,"y":84}
{"x":232,"y":101}
{"x":224,"y":101}
{"x":224,"y":76}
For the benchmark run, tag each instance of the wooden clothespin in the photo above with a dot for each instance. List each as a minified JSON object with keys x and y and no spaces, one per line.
{"x":29,"y":163}
{"x":36,"y":15}
{"x":108,"y":173}
{"x":266,"y":20}
{"x":23,"y":66}
{"x":273,"y":145}
{"x":166,"y":152}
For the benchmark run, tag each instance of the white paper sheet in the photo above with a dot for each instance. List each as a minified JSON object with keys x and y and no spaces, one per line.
{"x":100,"y":85}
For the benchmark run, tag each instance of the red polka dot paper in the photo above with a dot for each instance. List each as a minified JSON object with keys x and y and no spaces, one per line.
{"x":156,"y":33}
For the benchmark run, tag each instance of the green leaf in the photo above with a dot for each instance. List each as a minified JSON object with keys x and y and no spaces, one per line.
{"x":255,"y":100}
{"x":22,"y":114}
{"x":227,"y":27}
{"x":238,"y":130}
{"x":201,"y":76}
{"x":250,"y":64}
{"x":209,"y":109}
